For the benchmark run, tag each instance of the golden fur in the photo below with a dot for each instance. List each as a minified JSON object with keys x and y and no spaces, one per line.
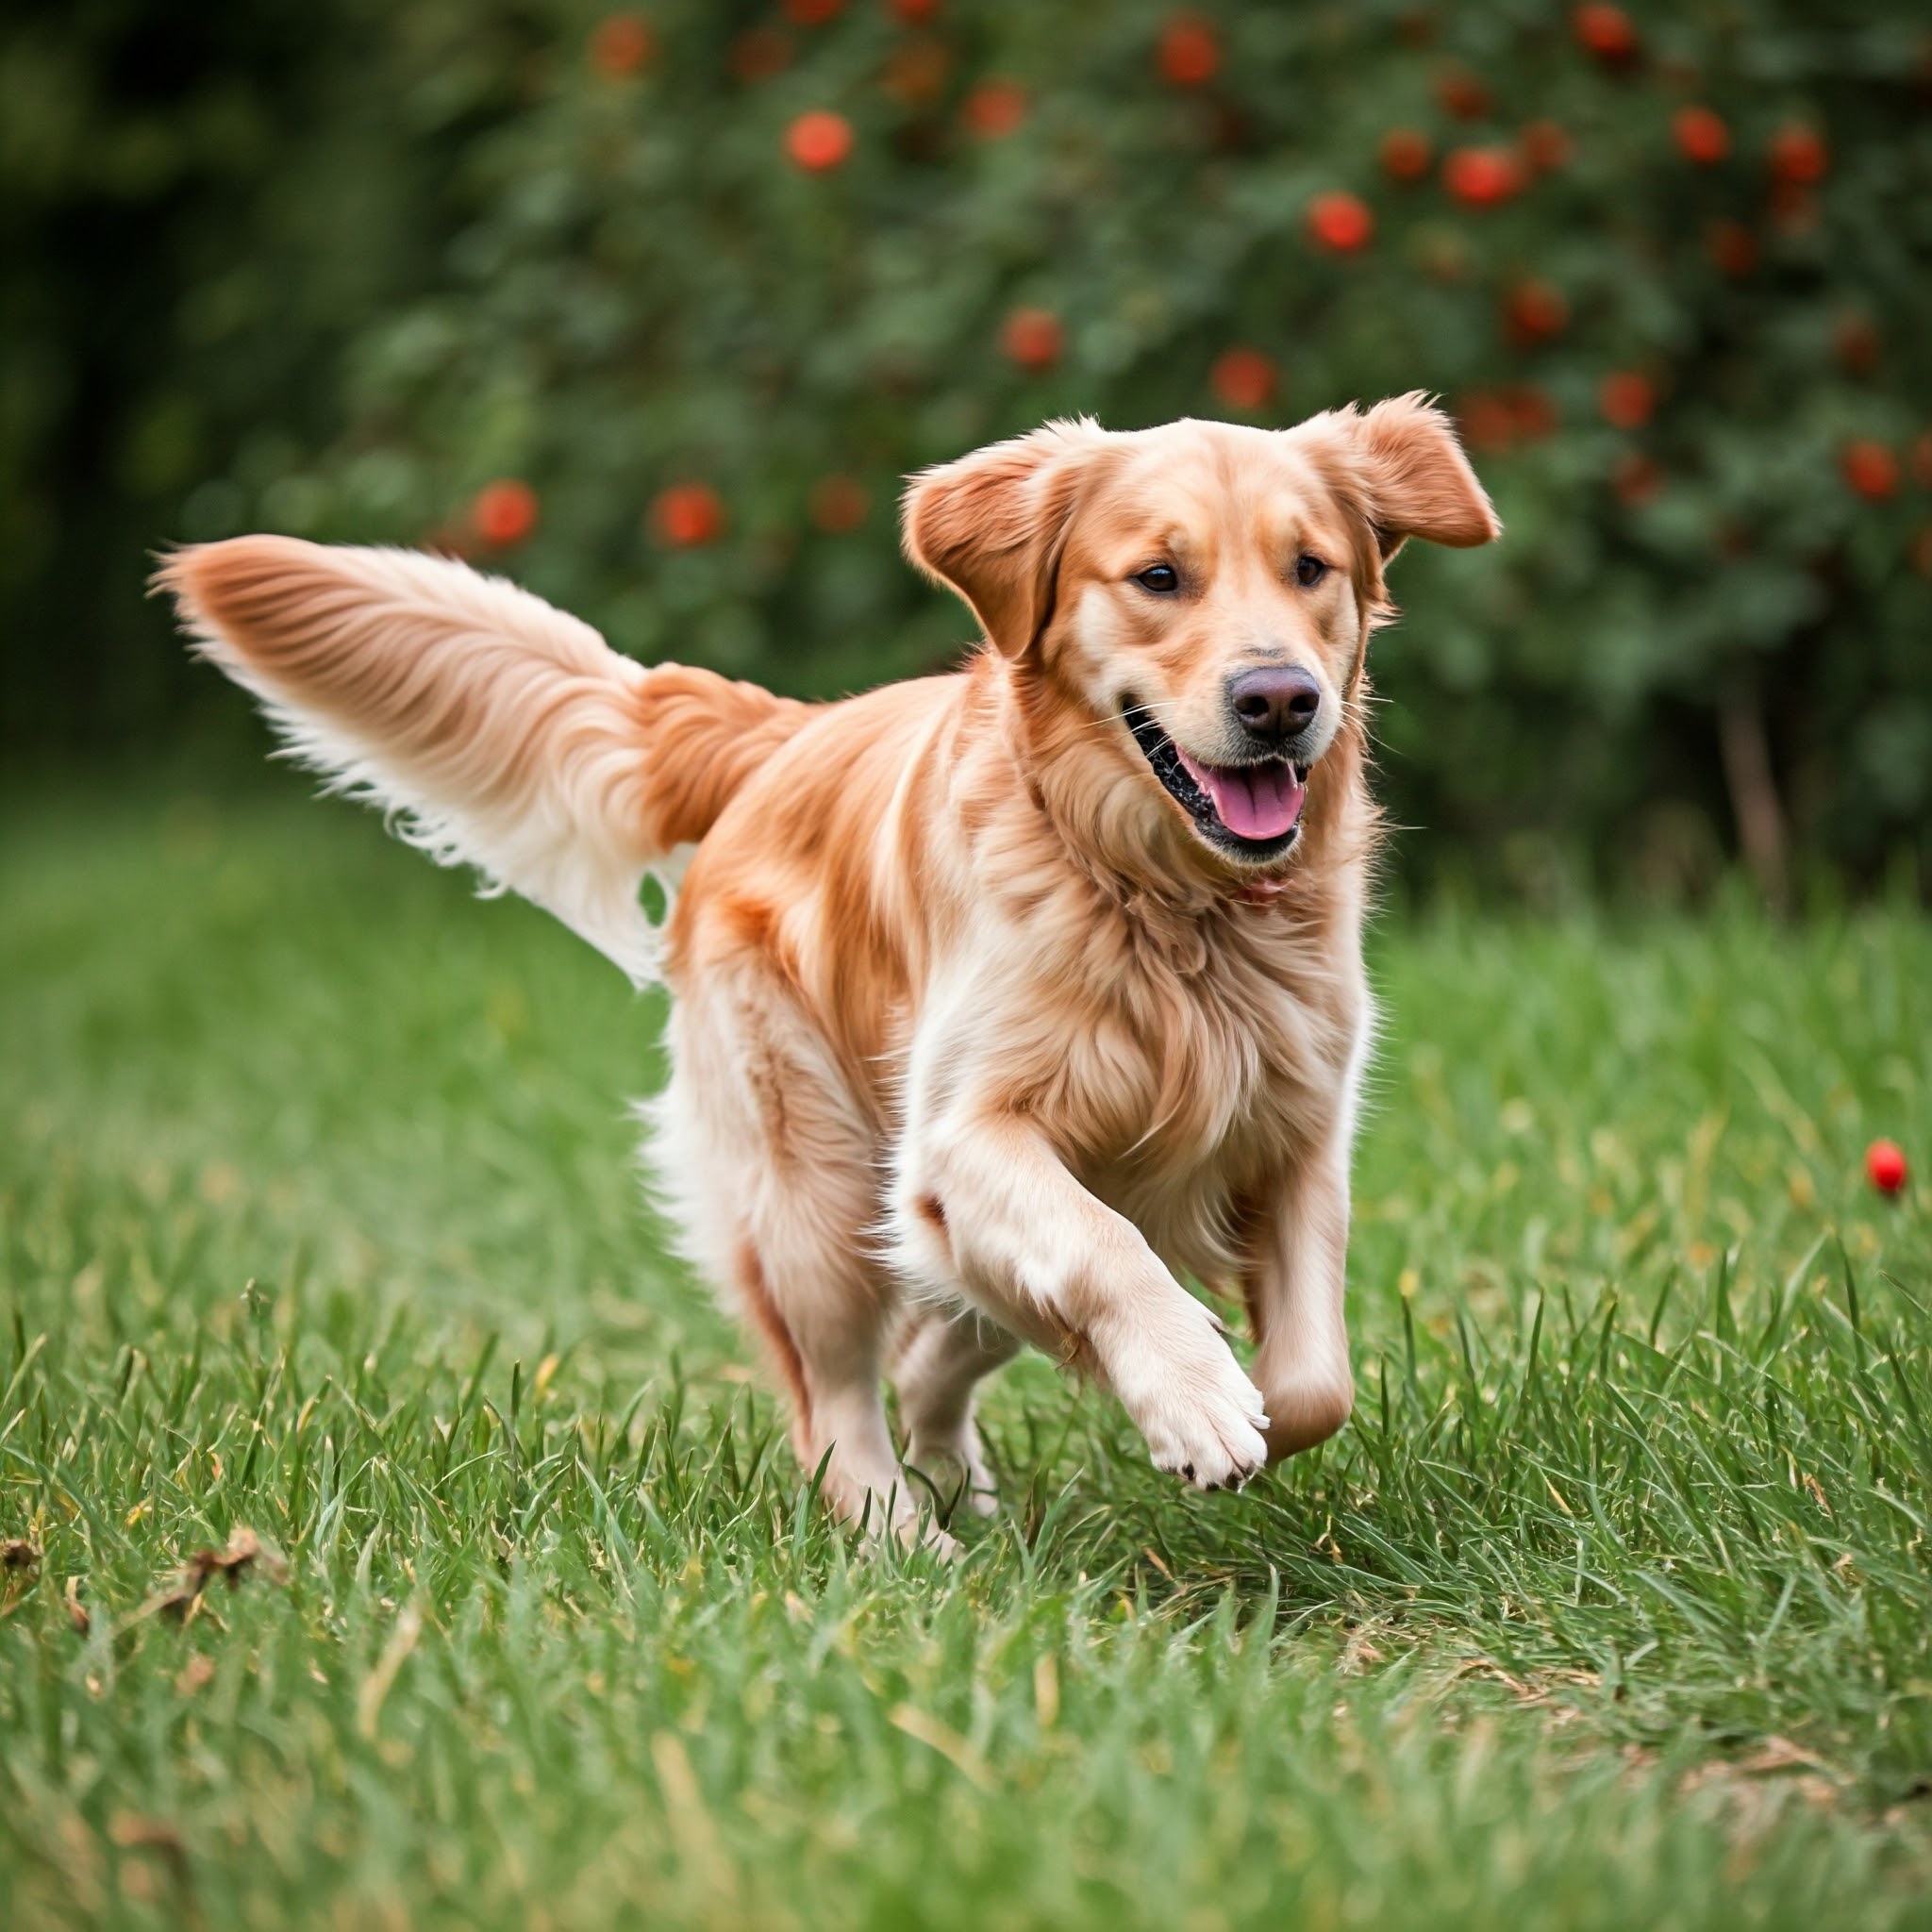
{"x":978,"y":1037}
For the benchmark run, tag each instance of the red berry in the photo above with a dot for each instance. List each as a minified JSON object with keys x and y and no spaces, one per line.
{"x":838,"y":504}
{"x":1536,"y":312}
{"x":1733,"y":247}
{"x":759,"y":52}
{"x":819,"y":141}
{"x":1482,"y":177}
{"x":1487,"y":420}
{"x":1406,"y":154}
{"x":1635,"y":479}
{"x":1243,"y":379}
{"x":1461,"y":93}
{"x":1885,"y":1166}
{"x":1531,"y":411}
{"x":1626,"y":399}
{"x":1870,"y":469}
{"x":1798,"y":154}
{"x":1701,"y":136}
{"x":1033,"y":338}
{"x":1546,"y":146}
{"x":504,"y":512}
{"x":1341,"y":221}
{"x":995,"y":107}
{"x":1189,"y":51}
{"x":621,"y":45}
{"x":1605,"y":31}
{"x":687,"y":515}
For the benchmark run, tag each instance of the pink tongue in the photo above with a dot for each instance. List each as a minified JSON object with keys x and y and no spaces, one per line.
{"x":1253,"y":801}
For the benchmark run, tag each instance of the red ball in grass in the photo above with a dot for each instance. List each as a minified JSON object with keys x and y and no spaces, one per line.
{"x":1626,"y":398}
{"x":819,"y":141}
{"x":1885,"y":1166}
{"x":504,"y":512}
{"x":1341,"y":221}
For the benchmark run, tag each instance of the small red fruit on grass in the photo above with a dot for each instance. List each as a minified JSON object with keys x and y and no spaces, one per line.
{"x":1189,"y":51}
{"x":1482,"y":177}
{"x":1341,"y":221}
{"x":621,"y":45}
{"x":819,"y":141}
{"x":1701,"y":136}
{"x":1243,"y":379}
{"x":1798,"y":154}
{"x":1885,"y":1166}
{"x":688,"y":515}
{"x":1032,"y":338}
{"x":994,"y":108}
{"x":1870,"y":469}
{"x":504,"y":512}
{"x":1406,"y":154}
{"x":1626,"y":399}
{"x":1605,"y":31}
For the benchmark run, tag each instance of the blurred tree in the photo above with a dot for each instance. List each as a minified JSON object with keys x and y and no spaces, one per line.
{"x":658,"y":306}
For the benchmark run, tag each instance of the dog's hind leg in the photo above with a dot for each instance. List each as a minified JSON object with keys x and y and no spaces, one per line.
{"x":940,"y":1357}
{"x":767,"y":1164}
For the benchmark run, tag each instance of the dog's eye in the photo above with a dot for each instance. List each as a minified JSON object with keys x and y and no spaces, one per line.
{"x":1160,"y":578}
{"x":1310,"y":571}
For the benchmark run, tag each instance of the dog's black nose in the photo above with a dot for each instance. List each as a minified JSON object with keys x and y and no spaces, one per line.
{"x":1274,"y":703}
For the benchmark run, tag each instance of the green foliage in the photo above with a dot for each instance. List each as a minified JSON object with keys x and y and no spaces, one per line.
{"x":440,"y":245}
{"x":1610,"y":1609}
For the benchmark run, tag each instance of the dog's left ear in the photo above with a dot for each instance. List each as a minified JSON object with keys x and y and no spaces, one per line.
{"x":992,"y":525}
{"x":1412,"y":478}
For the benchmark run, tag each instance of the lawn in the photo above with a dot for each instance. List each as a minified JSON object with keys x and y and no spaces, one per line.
{"x":1612,"y":1607}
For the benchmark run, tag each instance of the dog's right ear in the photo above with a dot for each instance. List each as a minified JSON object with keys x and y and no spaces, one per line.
{"x":992,"y":525}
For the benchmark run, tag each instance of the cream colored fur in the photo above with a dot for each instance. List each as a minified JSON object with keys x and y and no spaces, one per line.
{"x":981,"y":1034}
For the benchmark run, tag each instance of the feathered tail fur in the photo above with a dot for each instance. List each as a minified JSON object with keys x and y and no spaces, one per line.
{"x":495,"y":730}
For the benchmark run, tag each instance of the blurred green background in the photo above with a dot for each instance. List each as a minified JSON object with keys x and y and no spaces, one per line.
{"x":652,"y":310}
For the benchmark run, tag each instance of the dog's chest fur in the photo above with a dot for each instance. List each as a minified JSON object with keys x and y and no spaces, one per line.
{"x":1210,"y":1054}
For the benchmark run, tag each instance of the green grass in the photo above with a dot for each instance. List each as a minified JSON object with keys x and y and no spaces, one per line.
{"x":1612,"y":1607}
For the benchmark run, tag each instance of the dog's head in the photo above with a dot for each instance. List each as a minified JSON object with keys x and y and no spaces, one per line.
{"x":1204,"y":591}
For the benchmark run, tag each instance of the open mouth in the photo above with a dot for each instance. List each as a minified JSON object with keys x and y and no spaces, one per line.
{"x":1252,"y":810}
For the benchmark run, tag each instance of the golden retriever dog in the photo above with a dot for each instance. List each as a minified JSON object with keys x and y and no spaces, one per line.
{"x":1003,"y":1000}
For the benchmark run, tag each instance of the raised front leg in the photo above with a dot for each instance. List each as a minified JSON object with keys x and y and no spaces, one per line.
{"x":1294,"y":1294}
{"x":986,"y":1208}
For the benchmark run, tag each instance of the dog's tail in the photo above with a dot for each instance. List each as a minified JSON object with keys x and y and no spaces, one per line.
{"x":497,"y":731}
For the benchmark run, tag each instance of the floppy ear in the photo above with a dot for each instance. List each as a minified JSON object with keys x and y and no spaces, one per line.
{"x":992,"y":525}
{"x":1413,"y":478}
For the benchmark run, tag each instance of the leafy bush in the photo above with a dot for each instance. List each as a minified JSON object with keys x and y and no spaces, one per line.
{"x":713,"y":278}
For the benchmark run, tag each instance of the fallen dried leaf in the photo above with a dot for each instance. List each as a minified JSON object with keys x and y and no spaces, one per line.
{"x":17,"y":1552}
{"x":183,"y":1595}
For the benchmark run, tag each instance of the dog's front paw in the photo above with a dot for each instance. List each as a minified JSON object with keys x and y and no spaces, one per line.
{"x":1204,"y":1421}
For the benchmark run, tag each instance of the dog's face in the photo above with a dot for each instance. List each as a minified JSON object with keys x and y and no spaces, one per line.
{"x":1205,"y":591}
